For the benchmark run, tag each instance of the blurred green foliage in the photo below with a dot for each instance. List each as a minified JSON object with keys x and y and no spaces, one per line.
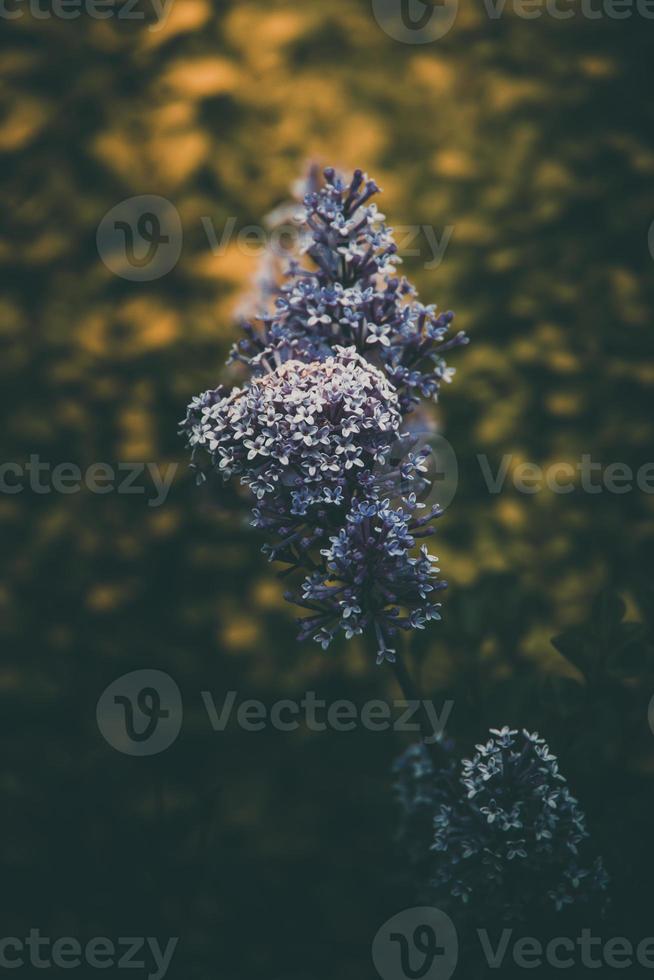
{"x":270,"y":853}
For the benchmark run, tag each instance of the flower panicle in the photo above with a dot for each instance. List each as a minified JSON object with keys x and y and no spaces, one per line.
{"x":335,"y":367}
{"x":505,"y":831}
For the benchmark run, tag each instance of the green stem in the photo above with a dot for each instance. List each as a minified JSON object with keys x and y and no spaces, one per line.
{"x":410,"y":691}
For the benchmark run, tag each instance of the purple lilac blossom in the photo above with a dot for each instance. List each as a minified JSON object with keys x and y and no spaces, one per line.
{"x":306,"y":427}
{"x":354,"y":296}
{"x":346,"y":353}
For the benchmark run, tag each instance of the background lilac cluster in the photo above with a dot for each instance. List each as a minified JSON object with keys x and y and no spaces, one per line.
{"x":337,"y":491}
{"x":499,"y":831}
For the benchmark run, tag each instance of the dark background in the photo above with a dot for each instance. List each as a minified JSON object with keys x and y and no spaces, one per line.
{"x":271,"y":854}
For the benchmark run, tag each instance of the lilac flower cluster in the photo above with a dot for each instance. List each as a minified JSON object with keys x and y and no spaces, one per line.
{"x":314,"y":433}
{"x":303,"y":427}
{"x":353,"y":297}
{"x":371,"y":575}
{"x":507,"y":834}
